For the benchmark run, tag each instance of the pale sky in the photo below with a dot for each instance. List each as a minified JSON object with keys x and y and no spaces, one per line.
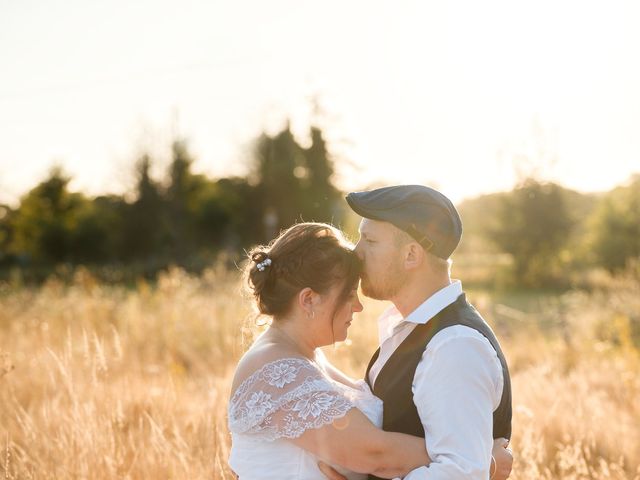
{"x":443,"y":93}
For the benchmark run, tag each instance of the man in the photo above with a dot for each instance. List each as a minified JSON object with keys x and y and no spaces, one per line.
{"x":439,"y":369}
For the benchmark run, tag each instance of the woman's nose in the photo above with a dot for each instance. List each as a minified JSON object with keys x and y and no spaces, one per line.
{"x":358,"y":250}
{"x":357,"y":307}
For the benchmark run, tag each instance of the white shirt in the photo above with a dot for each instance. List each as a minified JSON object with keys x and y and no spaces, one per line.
{"x":456,"y":387}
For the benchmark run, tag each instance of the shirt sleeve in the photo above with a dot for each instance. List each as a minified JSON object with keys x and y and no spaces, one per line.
{"x":457,"y":386}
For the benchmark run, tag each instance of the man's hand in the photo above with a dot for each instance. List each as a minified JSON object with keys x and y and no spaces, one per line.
{"x":503,"y":457}
{"x":329,"y":472}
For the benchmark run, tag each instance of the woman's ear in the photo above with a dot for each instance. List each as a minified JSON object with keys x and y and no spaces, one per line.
{"x":307,"y":300}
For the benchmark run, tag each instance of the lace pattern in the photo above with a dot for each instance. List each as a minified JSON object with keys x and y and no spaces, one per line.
{"x":285,"y":398}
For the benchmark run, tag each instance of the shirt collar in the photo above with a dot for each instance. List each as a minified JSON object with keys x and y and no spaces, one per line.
{"x":391,"y":319}
{"x":387,"y":322}
{"x":436,"y":303}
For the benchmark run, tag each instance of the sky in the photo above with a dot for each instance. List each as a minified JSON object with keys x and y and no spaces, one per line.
{"x":465,"y":96}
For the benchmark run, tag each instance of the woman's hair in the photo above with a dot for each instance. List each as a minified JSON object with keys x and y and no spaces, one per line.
{"x":314,"y":255}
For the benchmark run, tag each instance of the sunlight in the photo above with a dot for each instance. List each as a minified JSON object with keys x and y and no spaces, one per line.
{"x":441,"y":94}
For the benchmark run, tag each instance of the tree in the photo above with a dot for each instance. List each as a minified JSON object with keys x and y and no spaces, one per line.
{"x":292,"y":182}
{"x":94,"y":229}
{"x":320,"y":196}
{"x":102,"y":230}
{"x":46,"y":218}
{"x":6,"y":232}
{"x":616,"y":227}
{"x":181,"y":198}
{"x":279,"y":165}
{"x":533,"y":224}
{"x":143,"y":224}
{"x":241,"y":203}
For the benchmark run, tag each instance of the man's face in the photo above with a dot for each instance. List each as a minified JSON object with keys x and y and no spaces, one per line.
{"x":380,"y":250}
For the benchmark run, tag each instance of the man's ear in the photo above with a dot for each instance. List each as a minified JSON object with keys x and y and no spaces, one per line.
{"x":414,"y":256}
{"x":307,"y":300}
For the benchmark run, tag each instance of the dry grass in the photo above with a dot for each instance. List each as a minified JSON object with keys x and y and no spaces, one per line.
{"x":100,"y":382}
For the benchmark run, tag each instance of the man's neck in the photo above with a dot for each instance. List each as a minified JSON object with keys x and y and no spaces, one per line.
{"x":416,"y":293}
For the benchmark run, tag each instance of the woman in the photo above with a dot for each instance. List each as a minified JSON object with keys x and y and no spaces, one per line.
{"x":289,"y":407}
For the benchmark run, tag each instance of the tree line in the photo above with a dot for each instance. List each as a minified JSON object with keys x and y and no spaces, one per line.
{"x":183,"y":219}
{"x":552,"y":233}
{"x":188,"y":219}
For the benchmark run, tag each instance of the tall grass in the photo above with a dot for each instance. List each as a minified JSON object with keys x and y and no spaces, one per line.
{"x":100,"y":381}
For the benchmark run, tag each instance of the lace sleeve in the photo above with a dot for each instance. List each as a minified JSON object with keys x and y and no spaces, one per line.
{"x":284,"y":399}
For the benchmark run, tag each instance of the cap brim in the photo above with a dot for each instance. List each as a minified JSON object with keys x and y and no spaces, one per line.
{"x":354,"y":200}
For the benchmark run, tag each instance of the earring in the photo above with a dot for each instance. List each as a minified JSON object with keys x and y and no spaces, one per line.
{"x":313,"y":314}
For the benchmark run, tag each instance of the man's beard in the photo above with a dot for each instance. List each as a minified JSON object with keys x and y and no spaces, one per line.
{"x":386,"y":288}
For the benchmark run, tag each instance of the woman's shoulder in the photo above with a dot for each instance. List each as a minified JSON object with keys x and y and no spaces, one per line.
{"x":272,"y":361}
{"x":277,"y":394}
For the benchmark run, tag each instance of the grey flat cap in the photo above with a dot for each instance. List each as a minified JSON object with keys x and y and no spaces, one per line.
{"x":424,"y":213}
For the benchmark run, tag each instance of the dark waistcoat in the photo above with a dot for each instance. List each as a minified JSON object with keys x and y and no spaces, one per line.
{"x":393,"y":383}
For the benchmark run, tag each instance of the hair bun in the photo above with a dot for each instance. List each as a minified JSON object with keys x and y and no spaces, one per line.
{"x":259,"y":257}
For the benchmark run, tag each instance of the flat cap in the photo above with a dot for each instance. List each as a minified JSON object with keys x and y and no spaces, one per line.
{"x":424,"y":213}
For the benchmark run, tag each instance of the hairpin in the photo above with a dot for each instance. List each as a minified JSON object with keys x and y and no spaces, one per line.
{"x":264,"y":264}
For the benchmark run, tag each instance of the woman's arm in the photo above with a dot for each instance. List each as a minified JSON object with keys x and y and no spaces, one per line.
{"x":501,"y":463}
{"x":356,"y":444}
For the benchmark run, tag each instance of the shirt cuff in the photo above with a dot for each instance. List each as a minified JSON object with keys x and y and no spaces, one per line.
{"x":419,"y":473}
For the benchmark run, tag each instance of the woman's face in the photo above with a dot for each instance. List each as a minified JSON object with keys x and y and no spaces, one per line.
{"x":339,"y":314}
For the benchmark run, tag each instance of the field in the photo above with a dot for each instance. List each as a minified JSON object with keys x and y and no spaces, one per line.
{"x":100,"y":381}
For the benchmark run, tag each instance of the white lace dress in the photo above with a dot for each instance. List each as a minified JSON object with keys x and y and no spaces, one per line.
{"x":280,"y":401}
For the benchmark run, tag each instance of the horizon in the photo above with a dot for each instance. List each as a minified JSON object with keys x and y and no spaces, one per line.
{"x":15,"y":203}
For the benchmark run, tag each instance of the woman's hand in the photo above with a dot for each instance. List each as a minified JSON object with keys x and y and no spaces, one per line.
{"x":503,"y":459}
